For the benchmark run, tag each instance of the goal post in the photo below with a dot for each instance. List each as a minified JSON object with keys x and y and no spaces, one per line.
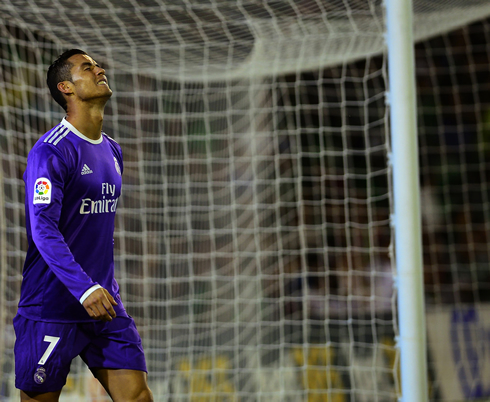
{"x":406,"y":195}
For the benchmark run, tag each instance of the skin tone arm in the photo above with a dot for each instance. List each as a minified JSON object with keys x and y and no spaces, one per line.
{"x":99,"y":305}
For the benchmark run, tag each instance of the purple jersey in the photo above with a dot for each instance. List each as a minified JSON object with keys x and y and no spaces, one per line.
{"x":72,"y":187}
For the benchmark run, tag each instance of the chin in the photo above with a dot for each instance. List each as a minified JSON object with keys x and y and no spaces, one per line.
{"x":107,"y":93}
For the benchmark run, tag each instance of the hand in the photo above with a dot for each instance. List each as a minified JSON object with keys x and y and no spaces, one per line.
{"x":99,"y":305}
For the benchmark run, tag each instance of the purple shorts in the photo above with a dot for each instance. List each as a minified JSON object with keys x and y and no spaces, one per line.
{"x":44,"y":350}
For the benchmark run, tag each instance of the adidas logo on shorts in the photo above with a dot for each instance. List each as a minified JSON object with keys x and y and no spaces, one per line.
{"x":86,"y":170}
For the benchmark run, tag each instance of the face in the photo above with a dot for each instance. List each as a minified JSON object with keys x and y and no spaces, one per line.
{"x":88,"y":79}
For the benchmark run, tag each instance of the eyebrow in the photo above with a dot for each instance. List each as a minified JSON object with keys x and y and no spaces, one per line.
{"x":87,"y":63}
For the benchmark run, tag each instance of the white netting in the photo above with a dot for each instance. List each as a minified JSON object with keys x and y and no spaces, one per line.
{"x":253,"y":236}
{"x":454,"y":102}
{"x":216,"y":40}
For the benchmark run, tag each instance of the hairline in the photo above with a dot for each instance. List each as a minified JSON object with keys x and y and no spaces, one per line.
{"x":62,"y":64}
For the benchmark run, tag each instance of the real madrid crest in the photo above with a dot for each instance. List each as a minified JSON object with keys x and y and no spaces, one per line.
{"x":118,"y":169}
{"x":40,"y":375}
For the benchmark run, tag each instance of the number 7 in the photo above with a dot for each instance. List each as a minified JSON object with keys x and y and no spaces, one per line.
{"x":53,"y":340}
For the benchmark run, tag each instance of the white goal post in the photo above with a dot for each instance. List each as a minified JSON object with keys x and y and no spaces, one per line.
{"x":262,"y":192}
{"x":406,"y":196}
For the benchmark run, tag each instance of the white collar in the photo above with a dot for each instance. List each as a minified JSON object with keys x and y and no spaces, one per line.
{"x":72,"y":128}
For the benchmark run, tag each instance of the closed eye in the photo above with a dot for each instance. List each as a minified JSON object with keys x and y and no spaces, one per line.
{"x":89,"y":66}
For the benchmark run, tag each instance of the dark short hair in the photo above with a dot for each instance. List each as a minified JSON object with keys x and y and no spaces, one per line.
{"x":58,"y":72}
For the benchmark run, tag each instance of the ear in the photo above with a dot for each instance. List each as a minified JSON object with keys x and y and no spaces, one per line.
{"x":64,"y":87}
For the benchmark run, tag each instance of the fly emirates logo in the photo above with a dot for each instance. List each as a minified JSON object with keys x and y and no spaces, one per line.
{"x":102,"y":206}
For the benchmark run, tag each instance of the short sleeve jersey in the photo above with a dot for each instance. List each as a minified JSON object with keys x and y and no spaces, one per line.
{"x":72,"y":187}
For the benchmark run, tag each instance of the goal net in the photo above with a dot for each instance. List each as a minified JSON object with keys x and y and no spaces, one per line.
{"x":253,"y":240}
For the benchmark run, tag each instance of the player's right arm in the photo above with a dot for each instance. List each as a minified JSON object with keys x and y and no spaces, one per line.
{"x":47,"y":174}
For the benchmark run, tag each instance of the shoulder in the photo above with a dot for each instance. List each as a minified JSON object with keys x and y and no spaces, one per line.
{"x":55,"y":136}
{"x":50,"y":143}
{"x":54,"y":144}
{"x":113,"y":144}
{"x":110,"y":139}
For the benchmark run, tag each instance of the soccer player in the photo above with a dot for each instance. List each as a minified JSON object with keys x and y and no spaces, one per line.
{"x":70,"y":303}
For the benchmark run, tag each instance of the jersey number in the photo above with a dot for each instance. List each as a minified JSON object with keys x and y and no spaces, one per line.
{"x":53,"y":341}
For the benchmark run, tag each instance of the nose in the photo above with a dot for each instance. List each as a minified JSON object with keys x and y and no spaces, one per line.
{"x":100,"y":71}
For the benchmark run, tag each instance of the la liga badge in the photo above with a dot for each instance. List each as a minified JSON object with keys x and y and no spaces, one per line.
{"x":42,"y":191}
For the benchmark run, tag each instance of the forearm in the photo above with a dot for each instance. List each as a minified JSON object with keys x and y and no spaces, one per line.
{"x":57,"y":255}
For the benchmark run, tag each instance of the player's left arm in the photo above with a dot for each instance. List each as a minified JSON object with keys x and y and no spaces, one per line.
{"x":97,"y":301}
{"x":99,"y":304}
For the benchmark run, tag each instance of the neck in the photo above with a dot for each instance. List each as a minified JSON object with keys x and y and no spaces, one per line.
{"x":87,"y":121}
